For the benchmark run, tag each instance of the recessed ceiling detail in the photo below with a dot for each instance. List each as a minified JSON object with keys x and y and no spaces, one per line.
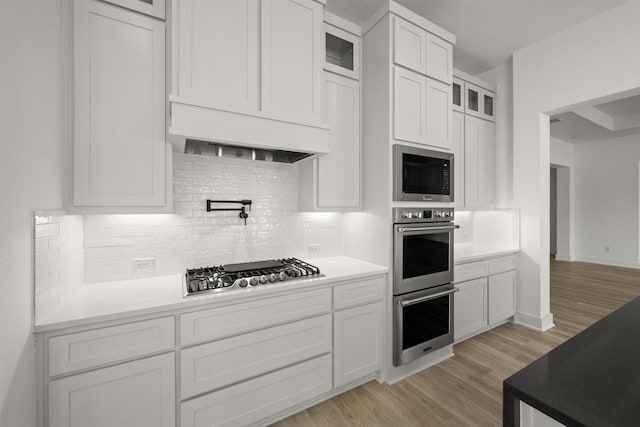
{"x":487,"y":31}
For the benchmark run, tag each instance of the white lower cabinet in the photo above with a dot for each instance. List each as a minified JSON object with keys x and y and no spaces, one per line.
{"x":470,"y":309}
{"x":221,"y":363}
{"x":501,"y":296}
{"x":251,"y":401}
{"x":242,"y":363}
{"x":357,"y":349}
{"x":136,"y":394}
{"x":486,"y":297}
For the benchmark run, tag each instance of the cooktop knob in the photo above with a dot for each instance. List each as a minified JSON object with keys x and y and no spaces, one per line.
{"x":282,"y":276}
{"x":408,"y":215}
{"x":263,"y":279}
{"x":273,"y":278}
{"x":243,"y":283}
{"x":253,"y":281}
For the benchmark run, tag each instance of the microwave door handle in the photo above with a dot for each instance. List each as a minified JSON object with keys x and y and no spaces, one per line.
{"x":448,"y":227}
{"x":427,"y":298}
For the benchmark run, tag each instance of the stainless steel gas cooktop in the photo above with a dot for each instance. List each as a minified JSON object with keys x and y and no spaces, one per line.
{"x":219,"y":278}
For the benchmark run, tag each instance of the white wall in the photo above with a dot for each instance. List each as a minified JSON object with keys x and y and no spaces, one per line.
{"x":31,"y":166}
{"x":591,"y":60}
{"x":606,"y":201}
{"x":502,"y":78}
{"x":553,"y":210}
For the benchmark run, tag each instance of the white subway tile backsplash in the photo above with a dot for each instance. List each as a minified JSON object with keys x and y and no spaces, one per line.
{"x":193,"y":237}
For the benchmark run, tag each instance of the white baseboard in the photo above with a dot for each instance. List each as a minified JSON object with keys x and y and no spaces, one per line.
{"x":532,"y":321}
{"x":612,"y":262}
{"x":568,"y":258}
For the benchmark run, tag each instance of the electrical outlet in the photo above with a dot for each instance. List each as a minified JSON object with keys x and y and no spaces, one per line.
{"x":607,"y":249}
{"x":313,"y":249}
{"x":144,"y":264}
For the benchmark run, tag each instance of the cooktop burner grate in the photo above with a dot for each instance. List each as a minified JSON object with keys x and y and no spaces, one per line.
{"x":247,"y":274}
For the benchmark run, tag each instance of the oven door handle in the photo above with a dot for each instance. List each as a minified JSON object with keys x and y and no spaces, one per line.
{"x":446,"y":227}
{"x":427,"y":298}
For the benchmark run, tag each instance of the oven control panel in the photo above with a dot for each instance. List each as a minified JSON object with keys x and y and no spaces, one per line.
{"x":409,"y":215}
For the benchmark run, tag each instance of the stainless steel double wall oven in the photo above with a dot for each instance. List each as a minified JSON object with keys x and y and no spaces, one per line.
{"x":422,"y":281}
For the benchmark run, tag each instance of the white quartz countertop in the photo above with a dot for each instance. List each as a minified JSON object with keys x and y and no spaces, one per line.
{"x":110,"y":301}
{"x":468,"y":252}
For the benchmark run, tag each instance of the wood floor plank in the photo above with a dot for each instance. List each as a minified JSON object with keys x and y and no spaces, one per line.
{"x":466,"y":390}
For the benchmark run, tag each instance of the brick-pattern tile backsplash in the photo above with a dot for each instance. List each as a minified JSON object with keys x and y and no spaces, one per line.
{"x":58,"y":258}
{"x":193,"y":237}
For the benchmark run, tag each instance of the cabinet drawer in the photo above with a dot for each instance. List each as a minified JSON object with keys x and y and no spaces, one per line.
{"x":88,"y":349}
{"x":251,"y":401}
{"x":471,"y":270}
{"x":220,"y":363}
{"x":357,"y":293}
{"x":502,"y":264}
{"x":154,"y":8}
{"x":245,"y":317}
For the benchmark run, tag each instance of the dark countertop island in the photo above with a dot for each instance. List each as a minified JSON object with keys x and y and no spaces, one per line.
{"x":593,"y":379}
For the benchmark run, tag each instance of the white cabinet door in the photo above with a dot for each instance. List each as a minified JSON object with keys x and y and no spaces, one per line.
{"x":501,"y":296}
{"x":439,"y":59}
{"x":338,"y":173}
{"x":473,"y":100}
{"x":458,"y":89}
{"x":292,"y":36}
{"x":480,"y":161}
{"x":409,"y":45}
{"x":136,"y":394}
{"x":409,"y":106}
{"x":470,"y":308}
{"x":218,"y":53}
{"x":357,"y":342}
{"x":148,"y":7}
{"x":488,"y":104}
{"x":457,"y":144}
{"x":119,"y":107}
{"x":439,"y":114}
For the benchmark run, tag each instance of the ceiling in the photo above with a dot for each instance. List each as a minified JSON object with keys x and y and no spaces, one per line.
{"x":599,"y":122}
{"x":488,"y":31}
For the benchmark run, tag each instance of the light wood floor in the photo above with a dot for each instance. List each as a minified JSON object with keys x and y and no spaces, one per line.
{"x":466,"y":390}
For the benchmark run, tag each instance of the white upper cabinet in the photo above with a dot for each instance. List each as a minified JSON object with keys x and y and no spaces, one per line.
{"x":420,"y":51}
{"x":409,"y":106}
{"x":119,"y":155}
{"x":249,"y":73}
{"x":154,"y":8}
{"x":218,"y":53}
{"x":332,"y":182}
{"x":438,"y":99}
{"x":421,"y":109}
{"x":410,"y":45}
{"x":458,"y":88}
{"x":342,"y":52}
{"x":479,"y":102}
{"x":457,"y":143}
{"x":292,"y":58}
{"x":439,"y":59}
{"x":480,"y":162}
{"x":339,"y":171}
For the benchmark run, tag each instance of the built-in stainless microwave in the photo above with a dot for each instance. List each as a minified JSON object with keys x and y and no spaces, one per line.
{"x":422,"y":175}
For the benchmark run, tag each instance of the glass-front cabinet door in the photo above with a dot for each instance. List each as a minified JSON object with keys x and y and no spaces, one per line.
{"x":488,"y":105}
{"x":458,"y":95}
{"x":473,"y":100}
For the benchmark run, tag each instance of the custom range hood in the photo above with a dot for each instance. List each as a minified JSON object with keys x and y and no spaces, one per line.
{"x":198,"y":129}
{"x":215,"y":149}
